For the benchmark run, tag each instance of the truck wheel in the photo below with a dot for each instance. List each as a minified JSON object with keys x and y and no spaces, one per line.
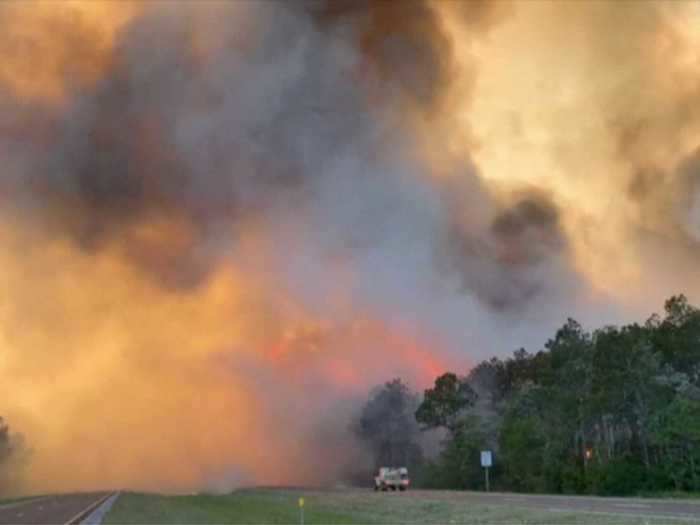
{"x":402,"y":489}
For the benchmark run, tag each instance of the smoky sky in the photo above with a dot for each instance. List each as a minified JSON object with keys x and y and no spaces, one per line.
{"x":247,"y":132}
{"x":500,"y":265}
{"x":264,"y":208}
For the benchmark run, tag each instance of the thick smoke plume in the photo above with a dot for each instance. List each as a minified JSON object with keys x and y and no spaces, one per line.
{"x":221,"y":222}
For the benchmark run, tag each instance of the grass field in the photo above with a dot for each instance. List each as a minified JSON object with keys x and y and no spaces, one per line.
{"x":353,"y":506}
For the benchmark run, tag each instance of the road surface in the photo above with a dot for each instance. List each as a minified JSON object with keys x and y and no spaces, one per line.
{"x":48,"y":510}
{"x":643,"y":508}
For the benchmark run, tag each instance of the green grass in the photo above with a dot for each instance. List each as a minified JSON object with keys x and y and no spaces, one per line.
{"x":239,"y":507}
{"x":341,"y":507}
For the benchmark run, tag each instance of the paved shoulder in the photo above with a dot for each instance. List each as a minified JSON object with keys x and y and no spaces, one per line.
{"x":60,"y":509}
{"x":97,"y":515}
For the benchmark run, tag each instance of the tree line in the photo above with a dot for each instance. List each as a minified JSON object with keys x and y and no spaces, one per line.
{"x":615,"y":411}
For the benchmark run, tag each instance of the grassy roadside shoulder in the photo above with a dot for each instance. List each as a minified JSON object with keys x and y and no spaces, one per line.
{"x":238,"y":507}
{"x":281,"y":506}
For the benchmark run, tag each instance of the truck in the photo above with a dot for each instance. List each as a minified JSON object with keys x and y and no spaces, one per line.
{"x":392,"y":478}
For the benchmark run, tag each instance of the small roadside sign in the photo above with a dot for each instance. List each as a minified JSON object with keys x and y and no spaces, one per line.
{"x":301,"y":502}
{"x":486,"y":462}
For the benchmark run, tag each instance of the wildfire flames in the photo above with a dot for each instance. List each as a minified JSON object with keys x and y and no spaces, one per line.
{"x":221,"y":223}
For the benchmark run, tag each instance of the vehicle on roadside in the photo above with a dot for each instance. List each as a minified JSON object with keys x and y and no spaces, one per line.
{"x":392,"y":478}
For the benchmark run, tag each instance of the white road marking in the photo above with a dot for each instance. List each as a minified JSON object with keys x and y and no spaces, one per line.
{"x":87,"y":510}
{"x":90,"y":509}
{"x":97,"y":515}
{"x":633,"y":505}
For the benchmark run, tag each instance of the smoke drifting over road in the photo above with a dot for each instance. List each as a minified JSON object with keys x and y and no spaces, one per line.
{"x":221,"y":222}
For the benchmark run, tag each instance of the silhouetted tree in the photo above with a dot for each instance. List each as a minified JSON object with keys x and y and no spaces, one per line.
{"x":388,"y":426}
{"x":444,"y":403}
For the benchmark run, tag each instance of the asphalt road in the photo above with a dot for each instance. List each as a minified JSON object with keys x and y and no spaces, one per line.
{"x":48,"y":510}
{"x":644,"y":508}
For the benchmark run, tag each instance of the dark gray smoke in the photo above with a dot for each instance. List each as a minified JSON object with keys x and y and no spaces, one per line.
{"x":502,"y":262}
{"x":244,"y":133}
{"x":403,"y":43}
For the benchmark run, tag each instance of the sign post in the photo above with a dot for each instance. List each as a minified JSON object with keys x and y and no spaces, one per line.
{"x":301,"y":511}
{"x":486,"y":462}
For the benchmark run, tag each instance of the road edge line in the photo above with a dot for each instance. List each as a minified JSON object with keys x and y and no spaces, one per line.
{"x":86,"y":512}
